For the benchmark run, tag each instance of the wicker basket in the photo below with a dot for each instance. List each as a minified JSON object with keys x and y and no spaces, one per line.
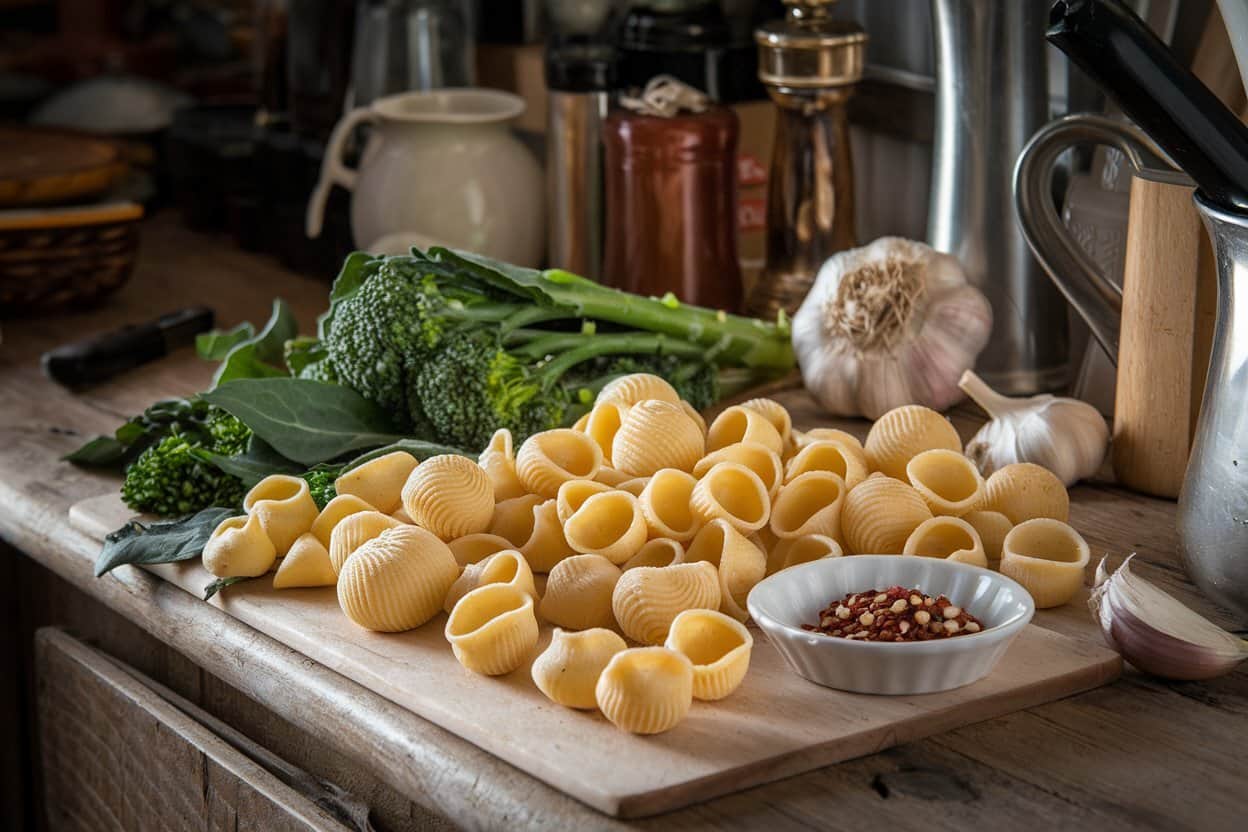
{"x":65,"y":258}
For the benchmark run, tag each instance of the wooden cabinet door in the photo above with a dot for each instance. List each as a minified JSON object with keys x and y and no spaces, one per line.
{"x":117,"y":756}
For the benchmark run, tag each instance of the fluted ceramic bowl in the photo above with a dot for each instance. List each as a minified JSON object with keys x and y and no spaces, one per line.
{"x":784,"y":602}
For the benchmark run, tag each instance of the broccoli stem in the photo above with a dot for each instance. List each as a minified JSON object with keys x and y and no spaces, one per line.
{"x":593,"y":346}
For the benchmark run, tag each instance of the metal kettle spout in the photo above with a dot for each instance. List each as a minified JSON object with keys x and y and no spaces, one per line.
{"x":1093,"y":295}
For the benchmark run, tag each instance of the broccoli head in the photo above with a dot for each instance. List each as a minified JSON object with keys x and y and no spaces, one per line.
{"x":471,"y":387}
{"x":170,"y":479}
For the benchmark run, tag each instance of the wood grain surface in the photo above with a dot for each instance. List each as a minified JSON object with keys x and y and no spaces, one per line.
{"x":1137,"y":754}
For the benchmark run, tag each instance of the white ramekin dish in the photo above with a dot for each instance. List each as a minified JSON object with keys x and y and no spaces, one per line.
{"x":784,"y":602}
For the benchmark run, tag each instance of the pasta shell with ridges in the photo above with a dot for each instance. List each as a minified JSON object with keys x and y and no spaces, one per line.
{"x":734,"y":493}
{"x":493,"y":629}
{"x":548,"y":459}
{"x":505,"y":567}
{"x":648,"y":598}
{"x":809,"y":504}
{"x":397,"y":580}
{"x":353,"y":531}
{"x":739,"y":563}
{"x":578,"y":593}
{"x":646,"y":690}
{"x":567,"y":670}
{"x":335,"y":510}
{"x":879,"y":514}
{"x":1048,"y":558}
{"x":473,"y":548}
{"x":665,"y":504}
{"x":819,"y":434}
{"x":656,"y":434}
{"x":847,"y":462}
{"x":719,"y":648}
{"x":904,"y":432}
{"x":450,"y":496}
{"x":758,"y":458}
{"x":739,"y":424}
{"x":951,"y":538}
{"x":661,"y":551}
{"x":609,"y":524}
{"x":637,"y":387}
{"x":1025,"y":491}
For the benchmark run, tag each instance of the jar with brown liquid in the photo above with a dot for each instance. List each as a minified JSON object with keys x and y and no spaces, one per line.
{"x":671,"y":206}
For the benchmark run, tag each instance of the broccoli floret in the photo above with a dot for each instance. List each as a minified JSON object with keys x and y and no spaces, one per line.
{"x":471,"y":387}
{"x":170,"y":479}
{"x":321,"y":484}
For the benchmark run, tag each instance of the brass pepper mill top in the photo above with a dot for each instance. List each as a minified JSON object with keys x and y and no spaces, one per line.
{"x":808,"y":48}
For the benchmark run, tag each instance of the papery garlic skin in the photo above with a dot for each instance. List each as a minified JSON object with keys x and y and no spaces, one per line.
{"x":1156,"y":632}
{"x":891,"y":323}
{"x":1068,"y":436}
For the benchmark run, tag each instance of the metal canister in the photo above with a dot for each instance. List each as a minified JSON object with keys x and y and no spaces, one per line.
{"x":580,"y":78}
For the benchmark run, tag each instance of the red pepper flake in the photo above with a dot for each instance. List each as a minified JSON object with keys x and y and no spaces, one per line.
{"x":894,"y":614}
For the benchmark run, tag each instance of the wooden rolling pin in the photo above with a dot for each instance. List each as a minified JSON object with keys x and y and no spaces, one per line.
{"x":1169,"y":298}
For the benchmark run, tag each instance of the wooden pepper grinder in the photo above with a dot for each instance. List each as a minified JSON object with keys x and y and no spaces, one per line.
{"x":809,"y":63}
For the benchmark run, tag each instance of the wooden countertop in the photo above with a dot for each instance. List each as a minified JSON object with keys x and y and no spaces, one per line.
{"x":1139,"y":754}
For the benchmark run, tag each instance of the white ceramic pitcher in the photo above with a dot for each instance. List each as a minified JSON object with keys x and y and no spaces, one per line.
{"x":440,"y":167}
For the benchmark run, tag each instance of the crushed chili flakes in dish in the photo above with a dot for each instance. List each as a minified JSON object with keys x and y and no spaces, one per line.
{"x":895,"y":614}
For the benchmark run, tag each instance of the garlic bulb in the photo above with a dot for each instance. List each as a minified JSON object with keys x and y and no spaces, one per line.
{"x":1156,"y":633}
{"x":1067,"y":436}
{"x":889,"y":324}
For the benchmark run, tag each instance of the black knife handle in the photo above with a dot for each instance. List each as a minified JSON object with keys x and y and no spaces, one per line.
{"x":103,"y":356}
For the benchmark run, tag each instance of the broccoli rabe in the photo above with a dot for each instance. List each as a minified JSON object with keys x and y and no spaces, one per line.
{"x":170,"y":479}
{"x":321,"y":484}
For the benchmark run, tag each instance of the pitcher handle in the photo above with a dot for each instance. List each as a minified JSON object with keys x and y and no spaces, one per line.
{"x":333,"y":170}
{"x":1093,"y":295}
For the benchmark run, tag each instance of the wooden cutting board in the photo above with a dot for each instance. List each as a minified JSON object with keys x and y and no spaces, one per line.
{"x":776,"y":725}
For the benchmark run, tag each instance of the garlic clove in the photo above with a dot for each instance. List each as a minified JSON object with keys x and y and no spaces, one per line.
{"x":1156,"y":633}
{"x":1067,"y":436}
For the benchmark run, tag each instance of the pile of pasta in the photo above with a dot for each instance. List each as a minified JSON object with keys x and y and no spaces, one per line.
{"x":651,"y":528}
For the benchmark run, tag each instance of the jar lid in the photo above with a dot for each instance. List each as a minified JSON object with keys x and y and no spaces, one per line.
{"x":581,"y":67}
{"x":810,"y":49}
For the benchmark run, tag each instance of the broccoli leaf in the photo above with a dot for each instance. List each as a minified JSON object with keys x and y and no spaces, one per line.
{"x":100,"y":452}
{"x":216,"y":345}
{"x":516,"y":280}
{"x":160,"y":542}
{"x":262,"y":355}
{"x":305,"y":421}
{"x":254,"y":464}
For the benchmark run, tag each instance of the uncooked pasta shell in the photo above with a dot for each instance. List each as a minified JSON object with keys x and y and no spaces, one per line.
{"x":1025,"y":491}
{"x":609,"y":476}
{"x":646,"y":690}
{"x":609,"y":524}
{"x":648,"y":598}
{"x":305,"y":565}
{"x":567,"y":670}
{"x":741,"y":424}
{"x":732,"y":492}
{"x":635,"y":485}
{"x":238,"y":547}
{"x":498,"y":461}
{"x":656,"y":434}
{"x":739,"y":563}
{"x":992,"y":527}
{"x":546,"y":545}
{"x":949,"y":483}
{"x":578,"y":593}
{"x":332,"y":514}
{"x":819,"y":434}
{"x":879,"y":514}
{"x":775,"y":413}
{"x":692,"y":413}
{"x":379,"y":482}
{"x":573,"y":494}
{"x":603,"y":423}
{"x":904,"y":432}
{"x":951,"y":538}
{"x":449,"y":495}
{"x":548,"y":459}
{"x":809,"y":504}
{"x":758,"y":458}
{"x":473,"y":548}
{"x":513,"y":519}
{"x":719,"y":648}
{"x":846,"y":461}
{"x":637,"y":387}
{"x":1048,"y":558}
{"x":493,"y":629}
{"x":397,"y":580}
{"x":665,"y":504}
{"x":285,"y":508}
{"x":798,"y":550}
{"x":353,"y":531}
{"x":661,"y":551}
{"x":505,"y":567}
